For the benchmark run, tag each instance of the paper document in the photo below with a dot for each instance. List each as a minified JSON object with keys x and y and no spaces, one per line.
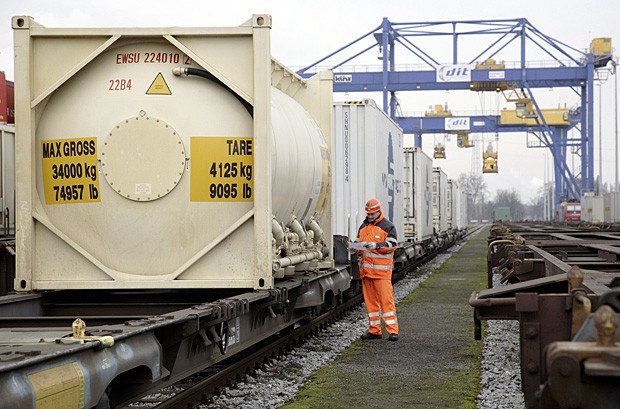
{"x":358,"y":245}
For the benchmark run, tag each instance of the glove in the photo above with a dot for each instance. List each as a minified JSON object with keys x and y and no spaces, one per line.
{"x":371,"y":246}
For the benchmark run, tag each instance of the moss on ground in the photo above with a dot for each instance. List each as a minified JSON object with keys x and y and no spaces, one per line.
{"x":435,"y":364}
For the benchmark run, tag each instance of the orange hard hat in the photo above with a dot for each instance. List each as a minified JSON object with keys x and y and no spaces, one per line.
{"x":373,"y":205}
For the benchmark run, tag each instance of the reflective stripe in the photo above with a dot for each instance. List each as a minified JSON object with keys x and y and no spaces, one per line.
{"x":374,"y":322}
{"x":373,"y":255}
{"x":374,"y":314}
{"x":376,"y":266}
{"x":389,"y":314}
{"x":388,"y":322}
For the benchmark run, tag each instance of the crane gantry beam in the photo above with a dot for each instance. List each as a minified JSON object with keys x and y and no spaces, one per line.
{"x":351,"y":81}
{"x":567,"y":67}
{"x":558,"y":141}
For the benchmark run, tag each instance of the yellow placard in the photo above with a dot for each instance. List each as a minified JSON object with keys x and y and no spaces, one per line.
{"x":222,"y":169}
{"x":159,"y":86}
{"x":70,"y":170}
{"x":59,"y":387}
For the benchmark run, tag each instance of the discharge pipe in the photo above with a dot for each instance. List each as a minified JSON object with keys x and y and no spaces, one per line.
{"x":296,"y":227}
{"x":278,"y":233}
{"x":296,"y":259}
{"x":316,"y":229}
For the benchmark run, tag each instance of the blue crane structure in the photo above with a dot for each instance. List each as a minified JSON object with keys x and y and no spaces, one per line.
{"x":569,"y":67}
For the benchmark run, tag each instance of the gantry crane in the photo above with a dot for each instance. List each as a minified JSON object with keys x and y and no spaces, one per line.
{"x":477,"y":71}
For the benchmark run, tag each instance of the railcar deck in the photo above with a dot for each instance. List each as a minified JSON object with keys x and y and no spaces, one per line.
{"x":563,"y":282}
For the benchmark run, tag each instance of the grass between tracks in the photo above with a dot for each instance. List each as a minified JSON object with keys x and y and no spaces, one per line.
{"x":436,"y":362}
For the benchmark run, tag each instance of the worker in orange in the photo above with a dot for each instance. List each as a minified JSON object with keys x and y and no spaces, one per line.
{"x":376,"y":262}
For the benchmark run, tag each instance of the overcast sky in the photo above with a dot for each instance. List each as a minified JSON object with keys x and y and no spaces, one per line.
{"x":304,"y":32}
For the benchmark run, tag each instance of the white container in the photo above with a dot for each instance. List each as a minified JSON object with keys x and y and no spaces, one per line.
{"x":367,"y":162}
{"x":451,"y":197}
{"x":144,"y":178}
{"x":463,"y":210}
{"x":612,"y":207}
{"x":440,"y":206}
{"x":7,"y":178}
{"x":455,"y":204}
{"x":449,"y":204}
{"x":592,"y":209}
{"x":418,"y":202}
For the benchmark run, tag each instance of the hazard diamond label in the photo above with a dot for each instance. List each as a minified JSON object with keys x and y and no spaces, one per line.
{"x":159,"y":86}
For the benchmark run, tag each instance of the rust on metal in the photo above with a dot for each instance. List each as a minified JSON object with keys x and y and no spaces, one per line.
{"x":554,"y":277}
{"x":606,"y":322}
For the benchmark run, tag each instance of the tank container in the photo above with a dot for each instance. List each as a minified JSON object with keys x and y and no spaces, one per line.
{"x":167,"y":158}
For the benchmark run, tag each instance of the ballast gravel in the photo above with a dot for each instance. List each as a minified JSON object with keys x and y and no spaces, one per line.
{"x":279,"y":382}
{"x":500,"y":383}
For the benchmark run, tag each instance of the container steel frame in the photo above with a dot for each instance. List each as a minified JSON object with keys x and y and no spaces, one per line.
{"x":38,"y":83}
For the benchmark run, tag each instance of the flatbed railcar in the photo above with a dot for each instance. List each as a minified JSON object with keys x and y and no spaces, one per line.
{"x":562,"y":283}
{"x":186,"y":213}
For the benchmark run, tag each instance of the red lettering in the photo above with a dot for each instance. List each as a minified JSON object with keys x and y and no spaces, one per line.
{"x":128,"y":58}
{"x":119,"y":85}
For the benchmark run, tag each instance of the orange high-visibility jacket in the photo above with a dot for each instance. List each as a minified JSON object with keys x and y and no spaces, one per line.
{"x":378,"y":263}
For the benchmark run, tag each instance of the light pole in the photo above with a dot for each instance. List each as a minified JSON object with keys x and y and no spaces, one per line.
{"x":545,"y":198}
{"x":615,"y":63}
{"x":600,"y":138}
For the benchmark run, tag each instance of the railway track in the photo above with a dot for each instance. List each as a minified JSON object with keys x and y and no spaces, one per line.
{"x":200,"y":388}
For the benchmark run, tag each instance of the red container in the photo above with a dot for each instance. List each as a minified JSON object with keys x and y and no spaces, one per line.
{"x":7,"y":100}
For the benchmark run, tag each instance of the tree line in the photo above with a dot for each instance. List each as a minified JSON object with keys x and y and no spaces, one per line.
{"x":480,"y":206}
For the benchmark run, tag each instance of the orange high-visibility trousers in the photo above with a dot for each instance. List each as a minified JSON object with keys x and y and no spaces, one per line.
{"x":380,"y":304}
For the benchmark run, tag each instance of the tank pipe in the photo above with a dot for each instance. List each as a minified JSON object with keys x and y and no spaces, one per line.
{"x":318,"y":233}
{"x":207,"y":75}
{"x":297,"y":229}
{"x":278,"y":233}
{"x":296,"y":259}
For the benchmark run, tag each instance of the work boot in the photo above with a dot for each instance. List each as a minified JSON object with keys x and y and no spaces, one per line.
{"x":370,"y":335}
{"x":393,"y":337}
